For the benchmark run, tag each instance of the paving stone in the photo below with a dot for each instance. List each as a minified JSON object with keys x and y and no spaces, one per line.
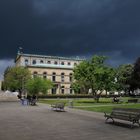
{"x":41,"y":123}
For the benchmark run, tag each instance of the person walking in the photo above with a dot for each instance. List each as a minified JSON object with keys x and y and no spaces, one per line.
{"x":34,"y":98}
{"x":28,"y":99}
{"x":22,"y":99}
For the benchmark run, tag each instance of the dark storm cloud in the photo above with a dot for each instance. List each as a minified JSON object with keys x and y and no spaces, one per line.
{"x":71,"y":28}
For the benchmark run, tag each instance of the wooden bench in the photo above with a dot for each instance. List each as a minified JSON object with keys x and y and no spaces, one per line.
{"x":127,"y":114}
{"x":58,"y":106}
{"x":132,"y":101}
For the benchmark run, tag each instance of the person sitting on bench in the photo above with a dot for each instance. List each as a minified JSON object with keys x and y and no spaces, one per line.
{"x":115,"y":99}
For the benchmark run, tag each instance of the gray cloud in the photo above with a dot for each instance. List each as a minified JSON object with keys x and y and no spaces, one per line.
{"x":71,"y":28}
{"x":4,"y":63}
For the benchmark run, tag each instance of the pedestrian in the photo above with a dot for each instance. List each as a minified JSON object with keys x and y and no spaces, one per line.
{"x":115,"y":99}
{"x":28,"y":99}
{"x":34,"y":98}
{"x":22,"y":99}
{"x":19,"y":96}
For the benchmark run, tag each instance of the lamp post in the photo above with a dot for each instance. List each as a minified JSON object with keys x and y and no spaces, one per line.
{"x":23,"y":87}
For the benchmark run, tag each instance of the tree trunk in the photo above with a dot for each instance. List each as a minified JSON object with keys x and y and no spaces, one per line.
{"x":106,"y":93}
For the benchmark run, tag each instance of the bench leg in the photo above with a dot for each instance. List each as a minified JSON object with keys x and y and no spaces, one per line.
{"x":109,"y":118}
{"x":113,"y":120}
{"x":61,"y":109}
{"x":106,"y":119}
{"x":135,"y":121}
{"x":138,"y":123}
{"x":132,"y":125}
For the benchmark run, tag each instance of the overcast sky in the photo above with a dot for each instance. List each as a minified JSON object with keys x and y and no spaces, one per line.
{"x":70,"y":28}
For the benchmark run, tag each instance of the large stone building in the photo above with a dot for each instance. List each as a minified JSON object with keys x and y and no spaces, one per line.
{"x":58,"y":69}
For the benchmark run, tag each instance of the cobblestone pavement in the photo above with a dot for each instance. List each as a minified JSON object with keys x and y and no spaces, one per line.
{"x":41,"y":123}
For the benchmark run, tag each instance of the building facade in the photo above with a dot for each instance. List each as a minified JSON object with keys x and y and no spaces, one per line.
{"x":58,"y":69}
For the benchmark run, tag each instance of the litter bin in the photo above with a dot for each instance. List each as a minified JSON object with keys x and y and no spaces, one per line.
{"x":71,"y":104}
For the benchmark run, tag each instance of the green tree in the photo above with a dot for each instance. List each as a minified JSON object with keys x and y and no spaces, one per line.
{"x":135,"y":78}
{"x":109,"y":79}
{"x":96,"y":75}
{"x":80,"y":75}
{"x":37,"y":85}
{"x":124,"y":75}
{"x":76,"y":87}
{"x":15,"y":78}
{"x":4,"y":86}
{"x":101,"y":76}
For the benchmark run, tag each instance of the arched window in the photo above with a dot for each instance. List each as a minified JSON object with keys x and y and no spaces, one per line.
{"x":49,"y":62}
{"x":55,"y":62}
{"x":62,"y":89}
{"x":45,"y":75}
{"x":70,"y":77}
{"x":35,"y":74}
{"x":34,"y":62}
{"x":62,"y":77}
{"x":26,"y":61}
{"x":41,"y":61}
{"x":53,"y":76}
{"x":69,"y":63}
{"x":62,"y":63}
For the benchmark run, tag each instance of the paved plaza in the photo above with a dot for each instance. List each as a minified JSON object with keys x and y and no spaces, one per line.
{"x":41,"y":123}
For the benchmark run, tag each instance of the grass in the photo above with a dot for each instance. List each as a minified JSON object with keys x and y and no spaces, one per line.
{"x":108,"y":109}
{"x":105,"y":104}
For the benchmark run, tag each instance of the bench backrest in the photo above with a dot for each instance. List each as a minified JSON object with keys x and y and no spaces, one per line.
{"x":60,"y":105}
{"x":126,"y":111}
{"x":132,"y":100}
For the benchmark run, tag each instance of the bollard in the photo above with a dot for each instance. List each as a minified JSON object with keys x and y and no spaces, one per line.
{"x":70,"y":104}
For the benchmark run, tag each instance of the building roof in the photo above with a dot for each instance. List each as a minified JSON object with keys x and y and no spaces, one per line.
{"x":50,"y":57}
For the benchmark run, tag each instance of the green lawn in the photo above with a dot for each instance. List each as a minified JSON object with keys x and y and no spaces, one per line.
{"x":105,"y":104}
{"x":109,"y":108}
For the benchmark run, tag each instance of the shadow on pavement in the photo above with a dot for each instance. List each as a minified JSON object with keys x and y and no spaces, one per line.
{"x":121,"y":124}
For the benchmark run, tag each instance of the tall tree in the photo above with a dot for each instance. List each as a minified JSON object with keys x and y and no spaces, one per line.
{"x":135,"y":79}
{"x":76,"y":87}
{"x":15,"y":78}
{"x":95,"y":74}
{"x":80,"y":75}
{"x":37,"y":85}
{"x":124,"y":75}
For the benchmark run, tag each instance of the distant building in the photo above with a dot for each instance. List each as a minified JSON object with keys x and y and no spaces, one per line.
{"x":58,"y":69}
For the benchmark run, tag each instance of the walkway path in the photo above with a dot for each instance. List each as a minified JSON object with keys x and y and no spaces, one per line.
{"x":41,"y":123}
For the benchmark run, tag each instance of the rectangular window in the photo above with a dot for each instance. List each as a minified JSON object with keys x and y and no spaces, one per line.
{"x":53,"y":90}
{"x":53,"y":78}
{"x":62,"y":79}
{"x":62,"y":91}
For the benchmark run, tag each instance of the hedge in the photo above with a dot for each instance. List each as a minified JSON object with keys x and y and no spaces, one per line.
{"x":71,"y":96}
